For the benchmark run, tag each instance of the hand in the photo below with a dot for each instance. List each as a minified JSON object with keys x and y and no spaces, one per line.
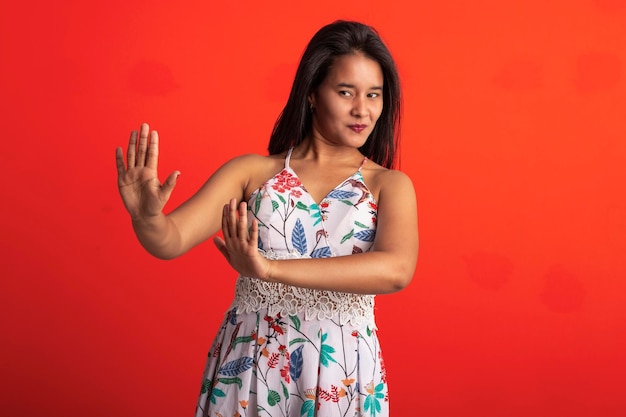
{"x":142,"y":193}
{"x":238,"y":247}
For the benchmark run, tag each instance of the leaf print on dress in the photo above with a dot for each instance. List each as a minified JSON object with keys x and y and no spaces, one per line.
{"x":273,"y":397}
{"x":296,"y":363}
{"x":321,"y":253}
{"x":346,"y":237}
{"x":341,"y":195}
{"x":326,"y":352}
{"x":371,"y":401}
{"x":214,"y":392}
{"x":360,"y":185}
{"x":361,"y":225}
{"x":298,"y":237}
{"x":300,"y":205}
{"x":296,"y":322}
{"x":236,"y":366}
{"x":366,"y":235}
{"x":308,"y":408}
{"x":233,"y":380}
{"x":318,"y":213}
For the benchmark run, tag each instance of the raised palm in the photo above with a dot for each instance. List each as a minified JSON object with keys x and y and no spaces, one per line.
{"x":138,"y":181}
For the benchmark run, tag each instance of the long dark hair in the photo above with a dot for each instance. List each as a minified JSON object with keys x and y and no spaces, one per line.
{"x":334,"y":40}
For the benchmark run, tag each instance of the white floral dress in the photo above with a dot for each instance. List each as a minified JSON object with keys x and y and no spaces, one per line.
{"x":284,"y":351}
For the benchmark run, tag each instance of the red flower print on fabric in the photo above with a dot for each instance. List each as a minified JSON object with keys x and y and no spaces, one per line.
{"x":285,"y":181}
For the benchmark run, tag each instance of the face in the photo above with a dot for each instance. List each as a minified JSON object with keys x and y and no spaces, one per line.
{"x":348,"y":102}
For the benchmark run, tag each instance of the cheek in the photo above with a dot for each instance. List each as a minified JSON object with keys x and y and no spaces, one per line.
{"x":330,"y":112}
{"x":378,"y":111}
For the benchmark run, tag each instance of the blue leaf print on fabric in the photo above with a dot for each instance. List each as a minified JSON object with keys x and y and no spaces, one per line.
{"x":298,"y":237}
{"x":237,"y":366}
{"x":341,"y":195}
{"x":321,"y":253}
{"x":295,"y":363}
{"x":366,"y":235}
{"x":232,"y":316}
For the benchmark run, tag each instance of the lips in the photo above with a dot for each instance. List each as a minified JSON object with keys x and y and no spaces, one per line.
{"x":357,"y":128}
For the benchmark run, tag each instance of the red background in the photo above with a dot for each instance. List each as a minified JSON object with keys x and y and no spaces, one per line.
{"x":514,"y":135}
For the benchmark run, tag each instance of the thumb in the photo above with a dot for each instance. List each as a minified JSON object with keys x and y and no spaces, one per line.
{"x":221,"y":246}
{"x":169,"y":184}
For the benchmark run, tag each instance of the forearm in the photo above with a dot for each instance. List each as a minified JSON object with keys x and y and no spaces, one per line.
{"x":364,"y":273}
{"x":159,"y":236}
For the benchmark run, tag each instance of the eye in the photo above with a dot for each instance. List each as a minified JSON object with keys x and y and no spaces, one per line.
{"x":345,"y":93}
{"x":373,"y":95}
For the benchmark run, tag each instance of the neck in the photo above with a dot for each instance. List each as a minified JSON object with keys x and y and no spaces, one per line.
{"x":321,"y":151}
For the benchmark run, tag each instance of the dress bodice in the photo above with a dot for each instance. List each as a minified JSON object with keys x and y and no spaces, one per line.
{"x":291,"y":222}
{"x":293,"y":225}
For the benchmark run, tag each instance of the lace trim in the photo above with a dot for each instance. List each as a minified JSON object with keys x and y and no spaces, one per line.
{"x":253,"y":295}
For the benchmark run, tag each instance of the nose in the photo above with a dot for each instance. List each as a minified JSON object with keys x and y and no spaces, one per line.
{"x":358,"y":107}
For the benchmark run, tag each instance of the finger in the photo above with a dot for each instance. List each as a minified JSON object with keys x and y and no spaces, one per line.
{"x":119,"y":161}
{"x":168,"y":185}
{"x":242,"y":224}
{"x":153,"y":150}
{"x":225,"y":230}
{"x":132,"y":149}
{"x":143,"y":145}
{"x":232,"y":218}
{"x":254,"y":232}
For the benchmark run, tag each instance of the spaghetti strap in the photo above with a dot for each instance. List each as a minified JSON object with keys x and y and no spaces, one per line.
{"x":363,"y":163}
{"x":288,"y":157}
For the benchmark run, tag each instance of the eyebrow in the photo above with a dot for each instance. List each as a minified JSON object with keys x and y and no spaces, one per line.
{"x":346,"y":85}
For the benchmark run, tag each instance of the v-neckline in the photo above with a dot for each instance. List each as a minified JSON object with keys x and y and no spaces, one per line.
{"x":305,"y":189}
{"x":326,"y":196}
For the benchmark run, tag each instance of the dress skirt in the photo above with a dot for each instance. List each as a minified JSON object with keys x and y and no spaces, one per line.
{"x":288,"y":366}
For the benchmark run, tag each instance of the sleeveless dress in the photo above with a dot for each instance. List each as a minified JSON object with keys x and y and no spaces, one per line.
{"x":285,"y":351}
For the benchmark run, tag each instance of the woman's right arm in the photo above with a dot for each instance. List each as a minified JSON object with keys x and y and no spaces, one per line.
{"x":194,"y":221}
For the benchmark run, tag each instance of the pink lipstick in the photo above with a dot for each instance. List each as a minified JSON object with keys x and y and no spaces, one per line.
{"x":357,"y":128}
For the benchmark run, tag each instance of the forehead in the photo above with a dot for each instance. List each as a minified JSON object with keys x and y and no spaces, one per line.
{"x":356,"y":69}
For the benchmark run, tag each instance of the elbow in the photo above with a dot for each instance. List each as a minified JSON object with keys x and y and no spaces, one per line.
{"x":400,"y":282}
{"x":400,"y":278}
{"x":160,"y":253}
{"x":164,"y":257}
{"x":403,"y":273}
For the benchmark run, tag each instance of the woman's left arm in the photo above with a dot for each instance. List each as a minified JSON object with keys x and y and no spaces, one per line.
{"x":388,"y":266}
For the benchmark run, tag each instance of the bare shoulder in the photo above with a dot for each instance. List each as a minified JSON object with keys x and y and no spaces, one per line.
{"x":383,"y":181}
{"x":251,"y":158}
{"x":251,"y":163}
{"x":255,"y":169}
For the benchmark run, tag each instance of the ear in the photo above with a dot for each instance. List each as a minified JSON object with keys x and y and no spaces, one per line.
{"x":311,"y":99}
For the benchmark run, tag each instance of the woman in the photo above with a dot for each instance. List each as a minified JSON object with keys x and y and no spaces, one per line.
{"x":331,"y":227}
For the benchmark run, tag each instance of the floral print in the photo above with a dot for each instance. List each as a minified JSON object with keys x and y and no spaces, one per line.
{"x":286,"y":181}
{"x":323,"y":357}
